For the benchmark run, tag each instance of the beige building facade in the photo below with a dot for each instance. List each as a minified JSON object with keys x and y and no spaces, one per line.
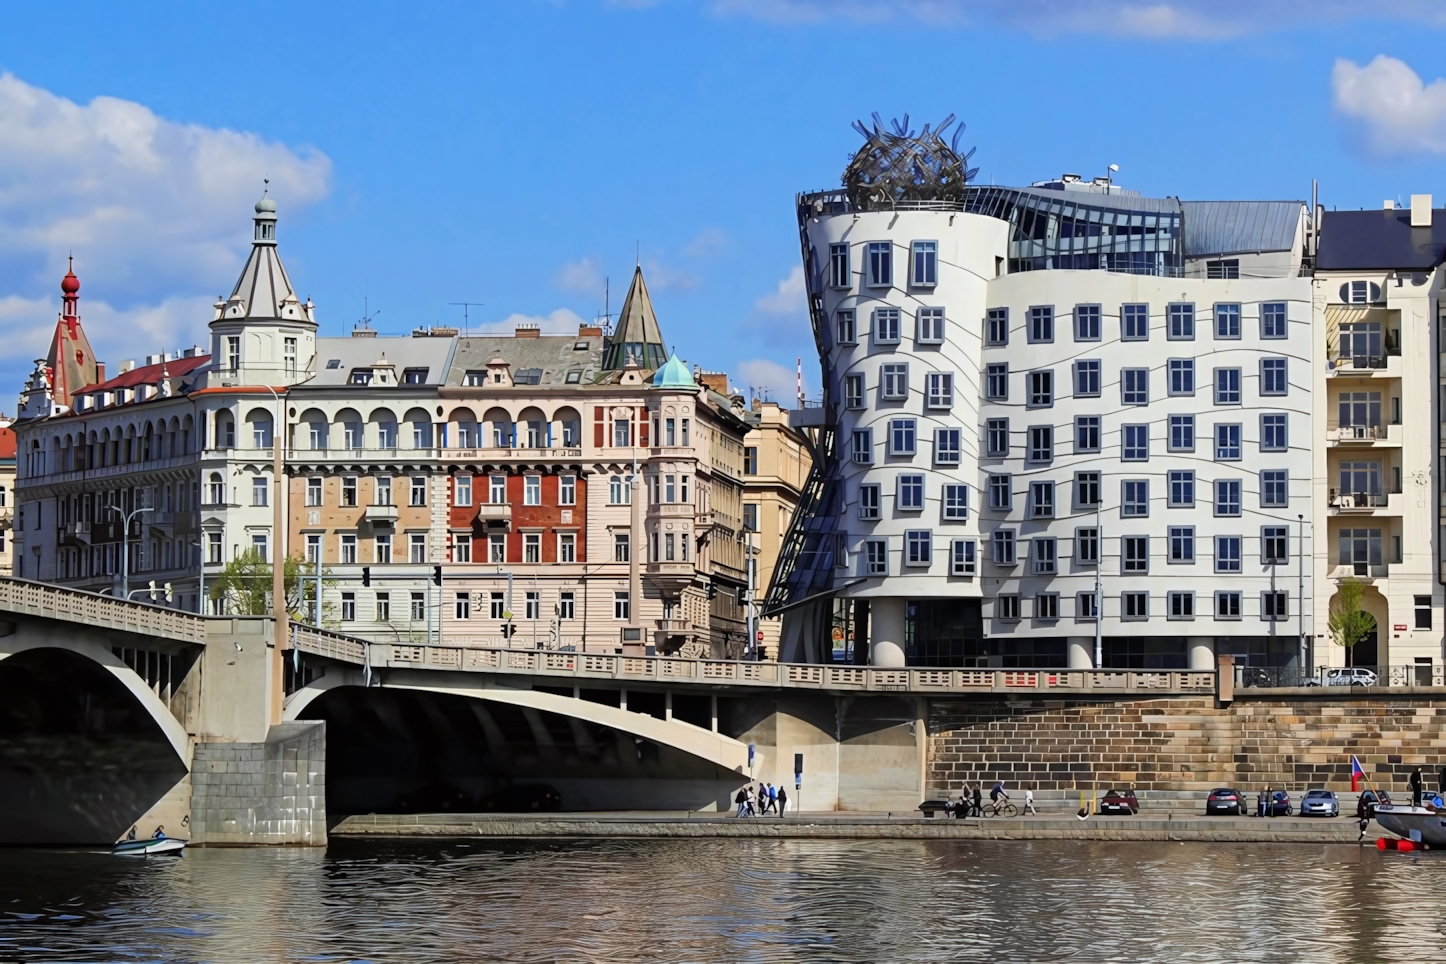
{"x":775,"y":464}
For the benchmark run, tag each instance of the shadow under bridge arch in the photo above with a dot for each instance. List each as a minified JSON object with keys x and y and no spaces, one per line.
{"x":418,"y":745}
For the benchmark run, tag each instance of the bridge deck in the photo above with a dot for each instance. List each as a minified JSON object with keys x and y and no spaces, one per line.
{"x":93,"y":609}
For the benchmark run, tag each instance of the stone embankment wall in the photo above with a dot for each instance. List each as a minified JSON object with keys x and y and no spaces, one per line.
{"x":1183,"y":744}
{"x":245,"y":794}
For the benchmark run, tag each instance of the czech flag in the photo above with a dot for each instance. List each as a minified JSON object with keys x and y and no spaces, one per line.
{"x":1357,"y":775}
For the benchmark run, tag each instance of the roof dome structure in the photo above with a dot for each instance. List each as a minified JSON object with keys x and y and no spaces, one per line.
{"x":899,"y":165}
{"x":673,"y":374}
{"x":70,"y":284}
{"x":265,"y":205}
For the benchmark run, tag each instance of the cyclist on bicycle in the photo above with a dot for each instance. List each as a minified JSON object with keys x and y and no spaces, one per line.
{"x":997,"y":791}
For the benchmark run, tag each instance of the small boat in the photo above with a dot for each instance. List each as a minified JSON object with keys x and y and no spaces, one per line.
{"x":1418,"y":824}
{"x":149,"y":846}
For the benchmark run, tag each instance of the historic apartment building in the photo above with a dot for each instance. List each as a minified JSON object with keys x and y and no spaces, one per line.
{"x":776,"y":461}
{"x":1067,"y":425}
{"x":532,"y":490}
{"x":7,"y":494}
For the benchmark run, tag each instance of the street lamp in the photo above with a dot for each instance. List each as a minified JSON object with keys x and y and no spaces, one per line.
{"x":126,"y":518}
{"x":1099,"y":580}
{"x":278,"y":554}
{"x":1112,"y":169}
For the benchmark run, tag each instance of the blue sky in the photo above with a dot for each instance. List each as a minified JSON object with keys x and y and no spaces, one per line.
{"x":519,"y":153}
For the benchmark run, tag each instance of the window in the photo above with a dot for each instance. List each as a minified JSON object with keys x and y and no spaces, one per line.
{"x":348,"y":607}
{"x":847,"y":334}
{"x":1224,"y":269}
{"x":930,"y":323}
{"x":1134,"y":443}
{"x":1041,"y":443}
{"x":940,"y":390}
{"x":531,"y":605}
{"x":1135,"y":498}
{"x":348,"y":550}
{"x":1274,"y":606}
{"x":876,"y":557}
{"x":532,"y":490}
{"x":213,"y":547}
{"x":417,"y":547}
{"x":567,"y":490}
{"x":1227,"y":321}
{"x":474,"y":379}
{"x":946,"y":446}
{"x":838,"y":266}
{"x":1087,"y":434}
{"x":1360,"y":292}
{"x":853,"y":391}
{"x":1000,"y":496}
{"x":461,"y":548}
{"x":1182,"y":544}
{"x":566,"y":606}
{"x":497,"y":606}
{"x":1227,"y":386}
{"x":1274,"y":546}
{"x":1227,"y":605}
{"x":414,"y":376}
{"x":418,"y":493}
{"x":1272,"y":320}
{"x":1273,"y":379}
{"x":869,"y":501}
{"x":996,"y":326}
{"x":1087,"y":378}
{"x":1087,"y":547}
{"x":1002,"y":541}
{"x":1087,"y":489}
{"x":566,"y":547}
{"x":894,"y":381}
{"x":1423,"y":612}
{"x":1085,"y":607}
{"x":532,"y":547}
{"x":1182,"y":433}
{"x":910,"y":493}
{"x":750,"y":516}
{"x":917,"y":547}
{"x":1135,"y":386}
{"x":621,"y":547}
{"x":1227,"y":553}
{"x":962,"y":563}
{"x":1046,"y":605}
{"x":462,"y":606}
{"x":1041,"y":500}
{"x":1181,"y":376}
{"x":386,"y":435}
{"x":497,"y":489}
{"x":996,"y":382}
{"x":621,"y":609}
{"x":1041,"y":323}
{"x":881,"y":264}
{"x":497,"y":548}
{"x":886,"y":326}
{"x":215,"y":490}
{"x":1006,"y":606}
{"x":383,"y":544}
{"x":1182,"y":605}
{"x":1181,"y":326}
{"x":1041,"y":389}
{"x":1086,"y":322}
{"x":926,"y":263}
{"x":1227,"y":442}
{"x":1227,"y":497}
{"x":462,"y":490}
{"x":1272,"y":434}
{"x":1134,"y":322}
{"x":1182,"y":489}
{"x":956,"y":501}
{"x":1135,"y":554}
{"x":574,"y":377}
{"x":1043,"y":555}
{"x":313,"y":548}
{"x":419,"y":607}
{"x":1134,"y":605}
{"x":233,"y":352}
{"x":313,"y":491}
{"x":862,"y":446}
{"x":384,"y":490}
{"x":259,"y":488}
{"x":1274,"y":489}
{"x":996,"y":437}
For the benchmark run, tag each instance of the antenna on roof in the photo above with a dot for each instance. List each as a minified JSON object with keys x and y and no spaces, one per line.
{"x":466,"y":324}
{"x":605,"y":320}
{"x":367,"y":314}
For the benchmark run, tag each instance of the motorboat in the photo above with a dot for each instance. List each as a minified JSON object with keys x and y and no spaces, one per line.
{"x":149,"y":846}
{"x":1418,"y":824}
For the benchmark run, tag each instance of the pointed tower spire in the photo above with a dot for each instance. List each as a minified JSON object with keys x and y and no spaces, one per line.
{"x":71,"y":361}
{"x":637,"y":333}
{"x":264,"y":289}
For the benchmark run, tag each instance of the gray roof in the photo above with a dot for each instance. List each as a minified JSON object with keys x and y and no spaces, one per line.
{"x":1379,"y":241}
{"x":1236,"y":227}
{"x":552,"y":357}
{"x":1119,"y":202}
{"x":336,"y":357}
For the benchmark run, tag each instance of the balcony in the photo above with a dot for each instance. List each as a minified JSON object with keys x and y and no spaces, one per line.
{"x":675,"y":627}
{"x":1361,"y":503}
{"x":670,"y":577}
{"x":383,"y":514}
{"x":1362,"y":435}
{"x":672,"y":510}
{"x":1386,"y":364}
{"x":1361,"y":571}
{"x":494,"y":516}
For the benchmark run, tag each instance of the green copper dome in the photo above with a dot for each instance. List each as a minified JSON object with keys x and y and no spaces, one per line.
{"x":673,"y":374}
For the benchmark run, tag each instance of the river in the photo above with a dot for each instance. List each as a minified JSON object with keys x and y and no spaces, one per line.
{"x":725,"y":900}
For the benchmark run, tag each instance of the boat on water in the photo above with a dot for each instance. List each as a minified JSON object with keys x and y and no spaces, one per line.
{"x":149,"y":846}
{"x":1418,"y":824}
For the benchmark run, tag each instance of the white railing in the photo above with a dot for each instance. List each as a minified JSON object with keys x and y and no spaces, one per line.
{"x":93,"y":609}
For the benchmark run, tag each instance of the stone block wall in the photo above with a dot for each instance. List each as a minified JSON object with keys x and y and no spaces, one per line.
{"x":1183,"y":744}
{"x":262,"y":793}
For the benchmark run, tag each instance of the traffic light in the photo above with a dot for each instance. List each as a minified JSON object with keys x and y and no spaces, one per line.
{"x":712,"y":591}
{"x":366,"y":575}
{"x":436,"y":575}
{"x":507,"y":630}
{"x":168,"y":592}
{"x":153,"y":590}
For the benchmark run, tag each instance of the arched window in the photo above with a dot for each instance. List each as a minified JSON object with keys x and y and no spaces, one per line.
{"x":215,"y":490}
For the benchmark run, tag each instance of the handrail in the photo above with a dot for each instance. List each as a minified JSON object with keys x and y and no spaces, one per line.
{"x":93,"y":609}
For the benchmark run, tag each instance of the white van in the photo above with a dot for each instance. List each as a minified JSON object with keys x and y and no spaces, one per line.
{"x":1348,"y":676}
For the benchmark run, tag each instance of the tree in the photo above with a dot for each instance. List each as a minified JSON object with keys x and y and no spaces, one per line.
{"x":245,"y":585}
{"x":1349,"y":624}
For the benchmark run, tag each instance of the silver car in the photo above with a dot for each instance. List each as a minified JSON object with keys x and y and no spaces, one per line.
{"x":1348,"y":676}
{"x":1320,"y":803}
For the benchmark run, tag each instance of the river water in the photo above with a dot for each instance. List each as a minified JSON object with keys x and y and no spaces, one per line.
{"x":726,"y":900}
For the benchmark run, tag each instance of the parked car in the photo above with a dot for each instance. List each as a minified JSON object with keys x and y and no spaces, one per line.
{"x":1278,"y":805}
{"x":1320,"y":803}
{"x":1120,"y":802}
{"x":1226,"y":801}
{"x":1346,"y":676}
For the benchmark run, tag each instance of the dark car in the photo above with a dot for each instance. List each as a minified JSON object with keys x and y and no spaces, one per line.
{"x":1226,"y":801}
{"x":1120,"y":802}
{"x":1278,"y":805}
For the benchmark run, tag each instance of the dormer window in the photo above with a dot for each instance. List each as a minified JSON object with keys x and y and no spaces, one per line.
{"x":474,"y":379}
{"x":414,"y":376}
{"x":581,"y":346}
{"x":361,"y":376}
{"x":333,"y":363}
{"x":528,"y":376}
{"x":497,"y":378}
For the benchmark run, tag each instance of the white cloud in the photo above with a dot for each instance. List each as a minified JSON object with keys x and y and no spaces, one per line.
{"x":709,"y":241}
{"x":661,"y":278}
{"x":582,"y":276}
{"x":770,"y":380}
{"x":1389,"y":103}
{"x":560,"y":322}
{"x":790,"y":297}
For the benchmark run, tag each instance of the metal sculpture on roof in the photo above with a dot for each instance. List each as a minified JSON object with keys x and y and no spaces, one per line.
{"x":900,"y":165}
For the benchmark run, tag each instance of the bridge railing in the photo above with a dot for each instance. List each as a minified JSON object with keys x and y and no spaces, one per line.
{"x":664,"y":669}
{"x":93,"y":609}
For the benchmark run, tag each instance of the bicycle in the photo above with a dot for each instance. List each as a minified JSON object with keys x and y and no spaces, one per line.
{"x":999,"y":808}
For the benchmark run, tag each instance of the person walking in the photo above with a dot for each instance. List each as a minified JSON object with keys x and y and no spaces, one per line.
{"x":751,"y":810}
{"x":978,"y":810}
{"x":1415,"y":784}
{"x":773,"y":798}
{"x":1260,"y":804}
{"x":1029,"y":801}
{"x":742,"y":800}
{"x":762,"y":800}
{"x":782,"y":801}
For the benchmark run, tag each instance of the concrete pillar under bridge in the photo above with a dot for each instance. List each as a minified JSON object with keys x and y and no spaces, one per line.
{"x":886,"y":631}
{"x":1081,"y":652}
{"x":1202,"y":652}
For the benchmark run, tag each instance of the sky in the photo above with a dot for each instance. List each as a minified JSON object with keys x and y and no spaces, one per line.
{"x":523,"y":155}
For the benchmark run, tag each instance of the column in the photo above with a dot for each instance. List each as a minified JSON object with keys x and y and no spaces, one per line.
{"x":886,"y":631}
{"x":1081,"y":652}
{"x":1202,"y":652}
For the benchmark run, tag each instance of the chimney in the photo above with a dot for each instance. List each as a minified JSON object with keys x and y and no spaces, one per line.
{"x":717,"y":381}
{"x":363,"y":332}
{"x":99,"y":372}
{"x":529,"y":331}
{"x":589,"y":331}
{"x":1388,"y":205}
{"x":1420,"y":210}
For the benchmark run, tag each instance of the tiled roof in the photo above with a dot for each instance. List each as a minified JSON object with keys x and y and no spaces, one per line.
{"x":1379,"y":241}
{"x":549,"y":357}
{"x":337,"y":357}
{"x":148,"y":374}
{"x":7,"y":443}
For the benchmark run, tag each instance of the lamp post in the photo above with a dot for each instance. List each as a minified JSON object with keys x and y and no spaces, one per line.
{"x":1099,"y":582}
{"x":1300,"y":590}
{"x":278,"y":557}
{"x":126,"y":518}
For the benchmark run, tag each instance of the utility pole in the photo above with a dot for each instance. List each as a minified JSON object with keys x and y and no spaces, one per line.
{"x":1300,"y":591}
{"x":126,"y":518}
{"x":1099,"y":580}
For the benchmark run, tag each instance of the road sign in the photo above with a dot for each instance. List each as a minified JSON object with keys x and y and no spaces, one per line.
{"x":760,"y":635}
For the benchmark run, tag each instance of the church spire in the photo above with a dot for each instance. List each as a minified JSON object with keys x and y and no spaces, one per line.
{"x":637,"y":335}
{"x":71,"y":361}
